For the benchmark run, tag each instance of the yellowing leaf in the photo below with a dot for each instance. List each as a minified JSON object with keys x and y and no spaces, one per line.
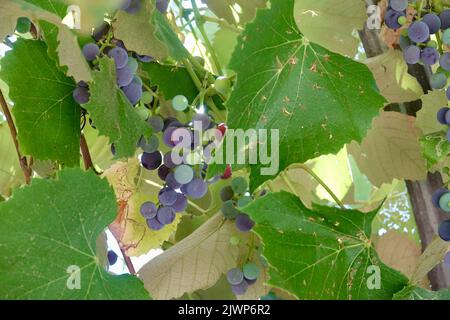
{"x":10,"y":172}
{"x":390,"y":150}
{"x":331,"y":25}
{"x":426,"y":117}
{"x":236,"y":12}
{"x":197,"y":262}
{"x":391,"y":74}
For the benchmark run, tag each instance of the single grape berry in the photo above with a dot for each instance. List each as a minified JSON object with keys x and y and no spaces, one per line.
{"x":412,"y":54}
{"x":180,"y":103}
{"x":157,"y":123}
{"x":81,"y":95}
{"x":429,"y":56}
{"x":124,"y":76}
{"x":151,"y":161}
{"x":235,"y":276}
{"x":133,"y":91}
{"x":437,"y":196}
{"x":438,"y":81}
{"x":229,"y":210}
{"x":444,"y":61}
{"x":197,"y":189}
{"x":240,"y":289}
{"x":398,"y":5}
{"x":149,"y":210}
{"x":226,"y":193}
{"x":154,"y":224}
{"x":181,"y":203}
{"x":163,"y":172}
{"x":251,"y":271}
{"x":445,"y":19}
{"x":120,"y":56}
{"x":101,"y":31}
{"x":432,"y":21}
{"x":201,"y":119}
{"x":242,"y":202}
{"x":162,"y":5}
{"x":166,"y":215}
{"x":112,"y":257}
{"x":222,"y":85}
{"x":444,"y":230}
{"x":444,"y":202}
{"x":418,"y":32}
{"x":244,"y":223}
{"x":91,"y":51}
{"x":391,"y":18}
{"x":167,"y":197}
{"x":239,"y":185}
{"x":147,"y":98}
{"x":183,"y":174}
{"x":441,"y":115}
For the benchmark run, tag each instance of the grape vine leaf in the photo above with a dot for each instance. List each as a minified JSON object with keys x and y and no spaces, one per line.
{"x":331,"y":26}
{"x":398,"y":251}
{"x":130,"y":227}
{"x":112,"y":113}
{"x":426,"y":116}
{"x":318,"y":100}
{"x":237,"y":12}
{"x":390,"y":150}
{"x":418,"y":293}
{"x":47,"y":117}
{"x":51,"y":227}
{"x":324,"y":253}
{"x":164,"y":76}
{"x":391,"y":74}
{"x":10,"y":172}
{"x":435,"y":149}
{"x":196,"y":262}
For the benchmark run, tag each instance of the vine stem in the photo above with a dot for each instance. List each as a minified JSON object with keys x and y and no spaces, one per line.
{"x":128,"y":262}
{"x":201,"y":28}
{"x":22,"y":159}
{"x":320,"y":181}
{"x":87,"y":159}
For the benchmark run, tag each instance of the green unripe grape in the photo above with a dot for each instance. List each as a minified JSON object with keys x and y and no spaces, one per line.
{"x":183,"y":174}
{"x":132,"y":64}
{"x":180,"y":103}
{"x":242,"y":202}
{"x":143,"y":112}
{"x":23,"y":25}
{"x":222,"y":85}
{"x":438,"y":81}
{"x":147,"y":97}
{"x":234,"y":241}
{"x":444,"y":202}
{"x":402,"y":20}
{"x":229,"y":211}
{"x":251,"y":271}
{"x":432,"y":44}
{"x":446,"y":37}
{"x":239,"y":185}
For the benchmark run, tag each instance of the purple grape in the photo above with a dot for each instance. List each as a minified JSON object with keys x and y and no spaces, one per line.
{"x":167,"y":137}
{"x":444,"y":61}
{"x":166,"y":215}
{"x":163,"y":172}
{"x":432,"y":21}
{"x":235,"y":276}
{"x":418,"y":32}
{"x":240,"y":289}
{"x":445,"y":19}
{"x":134,"y":6}
{"x":171,"y":182}
{"x":91,"y":51}
{"x":124,"y":76}
{"x":113,"y":149}
{"x":154,"y":224}
{"x":444,"y":230}
{"x":441,"y":115}
{"x":112,"y":257}
{"x":120,"y":57}
{"x":167,"y":197}
{"x":81,"y":95}
{"x":429,"y":56}
{"x":148,"y":210}
{"x":168,"y":160}
{"x":438,"y":81}
{"x":162,"y":5}
{"x":144,"y":59}
{"x":226,"y":193}
{"x":437,"y":196}
{"x":203,"y":119}
{"x":447,"y":260}
{"x":412,"y":54}
{"x":197,"y":188}
{"x":157,"y":123}
{"x":244,"y":223}
{"x":181,"y":204}
{"x":151,"y":161}
{"x":391,"y":19}
{"x":398,"y":5}
{"x":133,"y":92}
{"x":182,"y":137}
{"x":101,"y":31}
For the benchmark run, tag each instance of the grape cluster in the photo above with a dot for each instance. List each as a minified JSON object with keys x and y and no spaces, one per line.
{"x":234,"y":197}
{"x":425,"y":40}
{"x":241,"y":278}
{"x":183,"y":168}
{"x":441,"y":199}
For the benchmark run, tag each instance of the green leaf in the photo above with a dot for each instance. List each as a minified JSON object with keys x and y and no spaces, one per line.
{"x":417,"y":293}
{"x":237,"y":12}
{"x":52,"y":225}
{"x":10,"y":172}
{"x":435,"y":148}
{"x":47,"y":117}
{"x":331,"y":25}
{"x":317,"y":99}
{"x":324,"y":253}
{"x":165,"y":76}
{"x":112,"y":113}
